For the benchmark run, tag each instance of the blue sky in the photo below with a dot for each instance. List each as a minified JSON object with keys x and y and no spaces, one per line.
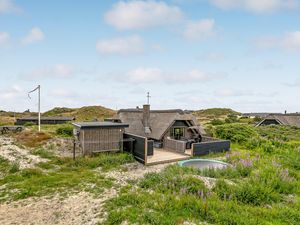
{"x":192,"y":54}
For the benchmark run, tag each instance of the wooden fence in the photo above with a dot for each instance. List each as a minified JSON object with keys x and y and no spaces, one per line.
{"x":174,"y":145}
{"x":213,"y":146}
{"x":140,"y":148}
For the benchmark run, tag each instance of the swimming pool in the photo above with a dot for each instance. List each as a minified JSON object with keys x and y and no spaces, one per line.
{"x":203,"y":163}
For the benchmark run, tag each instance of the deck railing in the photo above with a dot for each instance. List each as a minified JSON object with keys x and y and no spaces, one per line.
{"x":174,"y":145}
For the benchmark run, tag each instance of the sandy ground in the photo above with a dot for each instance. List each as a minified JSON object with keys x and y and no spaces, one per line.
{"x":76,"y":209}
{"x":81,"y":208}
{"x":16,"y":154}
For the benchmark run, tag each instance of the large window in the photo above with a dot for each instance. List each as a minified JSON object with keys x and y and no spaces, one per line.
{"x":177,"y":132}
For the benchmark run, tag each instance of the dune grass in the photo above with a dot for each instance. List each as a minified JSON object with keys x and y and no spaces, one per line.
{"x":60,"y":175}
{"x":261,"y":186}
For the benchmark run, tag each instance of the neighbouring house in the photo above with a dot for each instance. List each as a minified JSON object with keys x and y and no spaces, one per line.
{"x":44,"y":120}
{"x":292,"y":119}
{"x":259,"y":115}
{"x":95,"y":137}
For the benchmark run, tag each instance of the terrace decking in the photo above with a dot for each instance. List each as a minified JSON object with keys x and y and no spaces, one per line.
{"x":164,"y":156}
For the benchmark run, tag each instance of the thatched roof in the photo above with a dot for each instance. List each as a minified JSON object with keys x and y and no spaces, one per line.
{"x":284,"y":119}
{"x":160,"y":121}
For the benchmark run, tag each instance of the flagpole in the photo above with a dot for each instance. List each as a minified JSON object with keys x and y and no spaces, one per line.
{"x":39,"y":87}
{"x":39,"y":104}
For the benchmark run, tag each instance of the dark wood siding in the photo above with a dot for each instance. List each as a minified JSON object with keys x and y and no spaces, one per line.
{"x":101,"y":139}
{"x":270,"y":122}
{"x":204,"y":148}
{"x":138,"y":148}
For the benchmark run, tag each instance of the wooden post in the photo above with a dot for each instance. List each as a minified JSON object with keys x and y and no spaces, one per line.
{"x":74,"y":148}
{"x":146,"y":150}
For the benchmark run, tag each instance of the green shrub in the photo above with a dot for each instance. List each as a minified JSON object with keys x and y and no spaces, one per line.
{"x":15,"y":167}
{"x":66,"y":131}
{"x":216,"y":122}
{"x":231,"y":118}
{"x":238,"y":133}
{"x":29,"y":124}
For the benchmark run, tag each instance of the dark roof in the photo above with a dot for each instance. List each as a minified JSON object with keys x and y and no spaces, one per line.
{"x":263,"y":114}
{"x":160,"y":121}
{"x":99,"y":125}
{"x":284,"y":119}
{"x":47,"y":118}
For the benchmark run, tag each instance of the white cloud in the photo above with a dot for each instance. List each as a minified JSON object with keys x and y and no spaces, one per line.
{"x":149,"y":75}
{"x":4,"y":39}
{"x":122,"y":46}
{"x":233,"y":93}
{"x":57,"y":71}
{"x":294,"y":84}
{"x":8,"y":6}
{"x":257,"y":6}
{"x":34,"y":35}
{"x":144,"y":75}
{"x":212,"y":56}
{"x":195,"y":75}
{"x":142,"y":14}
{"x":199,"y":30}
{"x":11,"y":93}
{"x":63,"y":93}
{"x":289,"y":41}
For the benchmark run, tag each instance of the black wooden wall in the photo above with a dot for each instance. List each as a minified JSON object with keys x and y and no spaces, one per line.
{"x":204,"y":148}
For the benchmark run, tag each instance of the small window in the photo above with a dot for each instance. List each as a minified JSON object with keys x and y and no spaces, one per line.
{"x":177,"y":132}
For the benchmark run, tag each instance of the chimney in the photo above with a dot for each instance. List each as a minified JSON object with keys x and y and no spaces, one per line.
{"x":146,"y":117}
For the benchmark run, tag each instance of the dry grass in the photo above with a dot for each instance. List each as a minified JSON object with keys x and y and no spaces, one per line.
{"x":6,"y":120}
{"x":32,"y":139}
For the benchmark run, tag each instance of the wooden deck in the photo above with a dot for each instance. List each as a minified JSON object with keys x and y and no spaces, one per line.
{"x":161,"y":156}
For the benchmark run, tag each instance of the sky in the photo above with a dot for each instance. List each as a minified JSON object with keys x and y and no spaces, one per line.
{"x":189,"y":54}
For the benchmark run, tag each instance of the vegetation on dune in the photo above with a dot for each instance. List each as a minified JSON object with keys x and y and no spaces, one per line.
{"x":216,"y":112}
{"x":260,"y":186}
{"x":32,"y":139}
{"x":59,"y":175}
{"x":65,"y":131}
{"x":87,"y":113}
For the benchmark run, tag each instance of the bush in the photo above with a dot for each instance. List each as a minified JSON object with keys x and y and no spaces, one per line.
{"x":29,"y":124}
{"x":66,"y":131}
{"x":231,"y":118}
{"x":15,"y":167}
{"x":216,"y":122}
{"x":235,"y":132}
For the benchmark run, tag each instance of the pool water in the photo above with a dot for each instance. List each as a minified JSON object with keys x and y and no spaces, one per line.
{"x":204,"y":164}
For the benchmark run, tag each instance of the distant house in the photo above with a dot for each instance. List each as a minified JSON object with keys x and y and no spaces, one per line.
{"x":281,"y":119}
{"x":159,"y":125}
{"x":44,"y":120}
{"x":259,"y":115}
